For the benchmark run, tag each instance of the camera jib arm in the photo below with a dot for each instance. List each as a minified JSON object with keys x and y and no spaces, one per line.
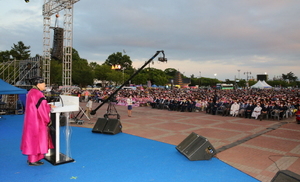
{"x":162,"y":59}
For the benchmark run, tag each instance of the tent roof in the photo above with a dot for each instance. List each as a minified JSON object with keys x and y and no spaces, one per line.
{"x":266,"y":84}
{"x":6,"y":88}
{"x":261,"y":84}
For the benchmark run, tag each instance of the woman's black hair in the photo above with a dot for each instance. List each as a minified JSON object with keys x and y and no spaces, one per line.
{"x":37,"y":80}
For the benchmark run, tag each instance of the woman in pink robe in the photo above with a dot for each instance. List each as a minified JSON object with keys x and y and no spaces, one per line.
{"x":35,"y":138}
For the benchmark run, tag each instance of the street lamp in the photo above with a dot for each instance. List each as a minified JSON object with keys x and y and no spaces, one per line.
{"x":247,"y":73}
{"x":215,"y":75}
{"x":199,"y":78}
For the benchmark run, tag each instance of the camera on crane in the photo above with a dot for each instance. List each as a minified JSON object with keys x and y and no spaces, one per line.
{"x":162,"y":59}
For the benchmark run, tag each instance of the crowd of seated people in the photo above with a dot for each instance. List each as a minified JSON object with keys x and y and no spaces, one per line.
{"x":257,"y":104}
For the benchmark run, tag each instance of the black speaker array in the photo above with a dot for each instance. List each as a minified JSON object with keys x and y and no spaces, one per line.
{"x":58,"y":43}
{"x":286,"y":176}
{"x":107,"y":126}
{"x":196,"y":147}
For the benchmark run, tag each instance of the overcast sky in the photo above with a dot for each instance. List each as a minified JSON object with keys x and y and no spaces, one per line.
{"x":208,"y":38}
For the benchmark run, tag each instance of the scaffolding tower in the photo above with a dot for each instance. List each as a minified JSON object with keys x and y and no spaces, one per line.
{"x":50,"y":8}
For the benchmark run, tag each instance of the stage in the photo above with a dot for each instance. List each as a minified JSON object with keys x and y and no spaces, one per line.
{"x":103,"y":157}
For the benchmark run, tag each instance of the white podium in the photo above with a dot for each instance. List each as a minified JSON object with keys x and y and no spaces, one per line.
{"x":65,"y":105}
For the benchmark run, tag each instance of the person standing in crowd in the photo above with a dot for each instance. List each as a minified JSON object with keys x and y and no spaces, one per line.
{"x":36,"y":139}
{"x":89,"y":106}
{"x":129,"y":105}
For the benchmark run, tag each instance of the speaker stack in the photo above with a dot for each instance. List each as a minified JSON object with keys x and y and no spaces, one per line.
{"x":196,"y":147}
{"x":58,"y":43}
{"x":107,"y":126}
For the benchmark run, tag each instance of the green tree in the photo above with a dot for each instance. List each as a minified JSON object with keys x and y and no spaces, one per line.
{"x":4,"y":56}
{"x":20,"y":51}
{"x":56,"y":72}
{"x":290,"y":77}
{"x":170,"y":72}
{"x":102,"y":71}
{"x":82,"y":74}
{"x":119,"y":59}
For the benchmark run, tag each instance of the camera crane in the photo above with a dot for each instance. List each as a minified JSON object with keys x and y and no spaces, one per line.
{"x":111,"y":108}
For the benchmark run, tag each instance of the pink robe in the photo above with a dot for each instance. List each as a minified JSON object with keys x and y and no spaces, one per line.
{"x":35,"y":138}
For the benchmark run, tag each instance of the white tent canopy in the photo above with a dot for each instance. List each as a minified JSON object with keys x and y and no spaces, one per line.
{"x":261,"y":85}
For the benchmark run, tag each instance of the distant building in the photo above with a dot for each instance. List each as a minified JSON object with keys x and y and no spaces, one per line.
{"x":178,"y":81}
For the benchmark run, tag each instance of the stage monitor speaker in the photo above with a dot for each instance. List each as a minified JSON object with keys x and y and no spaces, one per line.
{"x":107,"y":126}
{"x":286,"y":176}
{"x":196,"y":147}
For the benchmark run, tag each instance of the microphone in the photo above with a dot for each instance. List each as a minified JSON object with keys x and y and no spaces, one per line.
{"x":62,"y":102}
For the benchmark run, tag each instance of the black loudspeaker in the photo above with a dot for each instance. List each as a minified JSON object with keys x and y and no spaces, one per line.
{"x":196,"y":147}
{"x":286,"y":176}
{"x":58,"y":43}
{"x":107,"y":126}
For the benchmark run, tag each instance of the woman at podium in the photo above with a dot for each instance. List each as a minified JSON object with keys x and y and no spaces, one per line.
{"x":35,"y":138}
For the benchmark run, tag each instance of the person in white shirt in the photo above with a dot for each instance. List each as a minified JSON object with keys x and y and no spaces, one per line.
{"x":89,"y":106}
{"x":234,"y":110}
{"x":257,"y":111}
{"x":129,"y":105}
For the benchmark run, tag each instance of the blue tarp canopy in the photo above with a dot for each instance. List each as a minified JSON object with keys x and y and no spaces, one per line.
{"x":6,"y":88}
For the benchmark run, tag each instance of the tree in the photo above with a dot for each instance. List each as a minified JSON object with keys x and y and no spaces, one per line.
{"x":290,"y":77}
{"x":170,"y":72}
{"x":56,"y":72}
{"x":81,"y":71}
{"x":119,"y":59}
{"x":4,"y":56}
{"x":20,"y":51}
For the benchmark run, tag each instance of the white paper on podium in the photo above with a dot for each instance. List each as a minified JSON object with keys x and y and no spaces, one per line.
{"x":66,"y":104}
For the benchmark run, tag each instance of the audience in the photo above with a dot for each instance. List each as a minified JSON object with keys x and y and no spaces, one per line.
{"x":246,"y":103}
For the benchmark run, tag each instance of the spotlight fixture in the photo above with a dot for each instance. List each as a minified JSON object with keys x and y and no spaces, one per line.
{"x":26,"y":1}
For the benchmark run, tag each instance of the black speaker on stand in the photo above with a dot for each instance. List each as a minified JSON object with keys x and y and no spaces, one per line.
{"x":196,"y":147}
{"x":107,"y":126}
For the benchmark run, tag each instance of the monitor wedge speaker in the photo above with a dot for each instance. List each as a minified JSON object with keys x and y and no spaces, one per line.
{"x":196,"y":147}
{"x":107,"y":126}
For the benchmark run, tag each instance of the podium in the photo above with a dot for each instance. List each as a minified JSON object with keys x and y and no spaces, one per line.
{"x":65,"y":105}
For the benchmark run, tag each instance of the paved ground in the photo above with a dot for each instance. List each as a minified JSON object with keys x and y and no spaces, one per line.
{"x":247,"y":144}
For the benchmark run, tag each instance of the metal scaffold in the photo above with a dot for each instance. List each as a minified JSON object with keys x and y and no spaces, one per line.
{"x":50,"y":8}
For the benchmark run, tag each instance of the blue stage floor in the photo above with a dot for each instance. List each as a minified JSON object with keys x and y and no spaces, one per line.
{"x":109,"y":158}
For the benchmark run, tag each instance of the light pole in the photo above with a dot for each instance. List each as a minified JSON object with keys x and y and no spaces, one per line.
{"x":199,"y":78}
{"x":239,"y":74}
{"x":247,"y":73}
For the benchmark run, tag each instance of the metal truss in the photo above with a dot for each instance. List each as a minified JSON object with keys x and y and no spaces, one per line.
{"x":50,"y":8}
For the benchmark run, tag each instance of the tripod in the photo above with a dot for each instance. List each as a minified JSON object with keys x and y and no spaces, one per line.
{"x":111,"y":110}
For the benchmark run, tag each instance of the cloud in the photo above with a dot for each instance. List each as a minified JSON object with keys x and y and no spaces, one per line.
{"x":210,"y":36}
